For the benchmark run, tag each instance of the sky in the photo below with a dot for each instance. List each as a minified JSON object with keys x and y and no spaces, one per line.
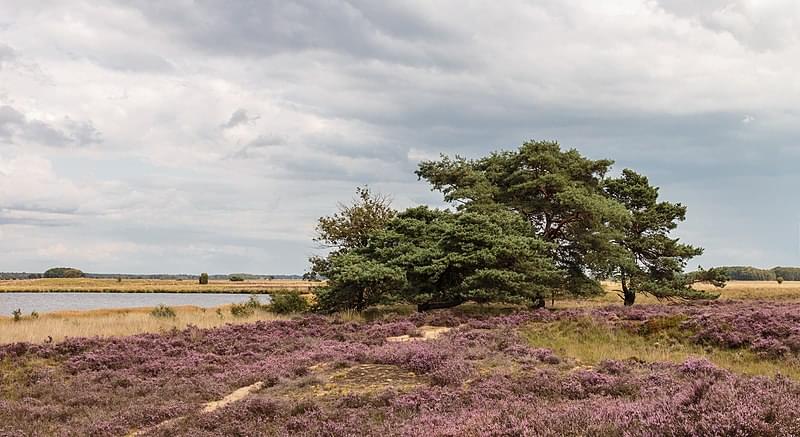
{"x":189,"y":136}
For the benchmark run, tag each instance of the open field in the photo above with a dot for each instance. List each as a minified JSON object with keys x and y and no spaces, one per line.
{"x":127,"y":321}
{"x":116,"y":322}
{"x":734,"y":290}
{"x":153,"y":286}
{"x":685,"y":369}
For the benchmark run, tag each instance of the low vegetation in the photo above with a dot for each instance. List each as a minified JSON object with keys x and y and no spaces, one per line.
{"x":63,"y":272}
{"x":162,"y":311}
{"x":688,"y":369}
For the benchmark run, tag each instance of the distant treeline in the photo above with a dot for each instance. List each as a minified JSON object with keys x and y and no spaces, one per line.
{"x":747,"y":273}
{"x":245,"y":276}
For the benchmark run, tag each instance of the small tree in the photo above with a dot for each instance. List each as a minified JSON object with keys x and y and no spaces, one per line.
{"x":287,"y":303}
{"x":439,"y":259}
{"x":203,"y":278}
{"x":779,"y":279}
{"x":645,"y":258}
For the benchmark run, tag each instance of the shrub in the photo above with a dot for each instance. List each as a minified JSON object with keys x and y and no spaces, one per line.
{"x":34,"y":315}
{"x":779,"y":279}
{"x":203,"y":278}
{"x":247,"y":308}
{"x":288,"y":303}
{"x":63,"y":272}
{"x":162,"y":311}
{"x":17,"y":313}
{"x":236,"y":278}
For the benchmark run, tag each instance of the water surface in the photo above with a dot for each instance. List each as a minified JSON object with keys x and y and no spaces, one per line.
{"x":57,"y":301}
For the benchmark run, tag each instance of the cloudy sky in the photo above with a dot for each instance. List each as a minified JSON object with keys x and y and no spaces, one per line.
{"x":186,"y":136}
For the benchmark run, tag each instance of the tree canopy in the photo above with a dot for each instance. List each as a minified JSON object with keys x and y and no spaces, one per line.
{"x":526,"y":222}
{"x":63,"y":272}
{"x":438,"y":258}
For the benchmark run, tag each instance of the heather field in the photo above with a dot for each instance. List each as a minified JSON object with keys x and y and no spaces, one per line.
{"x":720,"y":368}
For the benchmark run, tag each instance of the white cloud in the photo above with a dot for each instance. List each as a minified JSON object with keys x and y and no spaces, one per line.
{"x":221,"y":131}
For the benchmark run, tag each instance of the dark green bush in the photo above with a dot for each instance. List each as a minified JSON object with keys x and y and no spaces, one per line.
{"x":34,"y":315}
{"x":779,"y":279}
{"x":163,"y":312}
{"x":203,"y":278}
{"x":288,"y":303}
{"x":64,"y":272}
{"x":235,"y":278}
{"x":247,"y":308}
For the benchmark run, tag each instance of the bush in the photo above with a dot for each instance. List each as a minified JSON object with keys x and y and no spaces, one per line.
{"x":163,"y":312}
{"x":64,"y":272}
{"x":17,"y":313}
{"x":34,"y":315}
{"x":203,"y":278}
{"x":288,"y":303}
{"x":779,"y":279}
{"x":247,"y":308}
{"x":235,"y":278}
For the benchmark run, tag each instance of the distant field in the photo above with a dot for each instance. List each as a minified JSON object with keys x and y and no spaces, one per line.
{"x":734,"y":290}
{"x":154,"y":285}
{"x":112,"y":322}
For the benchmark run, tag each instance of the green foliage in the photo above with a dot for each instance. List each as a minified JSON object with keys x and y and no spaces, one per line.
{"x":235,"y":278}
{"x":352,"y":225}
{"x":288,"y":303}
{"x":17,"y":314}
{"x":647,"y":259}
{"x":558,"y":193}
{"x":247,"y":308}
{"x":532,"y":222}
{"x":163,"y":312}
{"x":438,"y":258}
{"x":203,"y":278}
{"x":607,"y":227}
{"x":63,"y":272}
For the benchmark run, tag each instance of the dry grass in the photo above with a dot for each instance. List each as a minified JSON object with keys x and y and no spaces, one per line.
{"x":116,"y":322}
{"x":734,"y":290}
{"x":590,"y":342}
{"x":153,"y":285}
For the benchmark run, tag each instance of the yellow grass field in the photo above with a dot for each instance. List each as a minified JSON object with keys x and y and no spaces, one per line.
{"x":116,"y":322}
{"x":734,"y":290}
{"x":154,"y":285}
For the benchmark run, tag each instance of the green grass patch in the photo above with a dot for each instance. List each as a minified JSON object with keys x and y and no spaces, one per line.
{"x":591,"y":341}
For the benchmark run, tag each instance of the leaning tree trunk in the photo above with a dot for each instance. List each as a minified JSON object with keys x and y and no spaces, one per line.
{"x":427,"y":306}
{"x":628,"y":295}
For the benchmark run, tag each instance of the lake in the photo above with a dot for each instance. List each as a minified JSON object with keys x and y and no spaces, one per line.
{"x":49,"y":302}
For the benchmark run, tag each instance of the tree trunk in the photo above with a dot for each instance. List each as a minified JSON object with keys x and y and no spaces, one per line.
{"x":628,"y":295}
{"x":438,"y":305}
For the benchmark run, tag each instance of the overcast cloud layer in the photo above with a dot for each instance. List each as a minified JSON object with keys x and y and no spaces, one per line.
{"x":187,"y":136}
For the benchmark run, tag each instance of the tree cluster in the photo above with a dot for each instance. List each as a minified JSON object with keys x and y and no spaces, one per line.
{"x":63,"y":272}
{"x":526,"y":224}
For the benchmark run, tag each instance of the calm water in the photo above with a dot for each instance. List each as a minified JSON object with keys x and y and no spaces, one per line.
{"x":47,"y":302}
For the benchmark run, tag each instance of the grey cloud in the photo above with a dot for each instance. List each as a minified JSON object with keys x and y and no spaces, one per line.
{"x":133,"y":62}
{"x":7,"y":55}
{"x":354,"y":92}
{"x":360,"y":29}
{"x":15,"y":126}
{"x":253,"y":148}
{"x":239,"y":117}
